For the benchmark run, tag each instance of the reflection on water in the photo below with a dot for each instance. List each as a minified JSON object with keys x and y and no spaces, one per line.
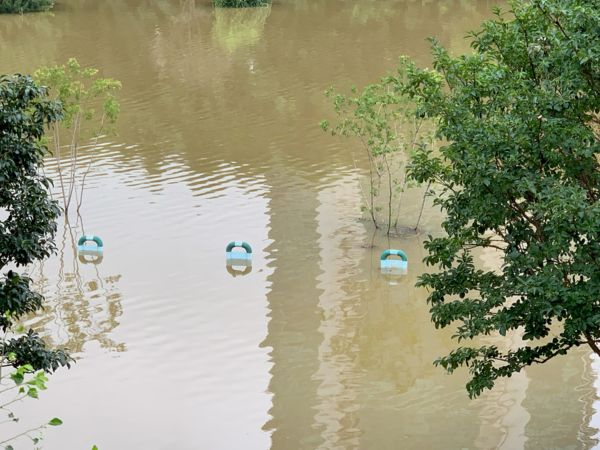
{"x":218,"y":141}
{"x":503,"y":417}
{"x":293,"y":334}
{"x":83,"y":304}
{"x":237,"y":28}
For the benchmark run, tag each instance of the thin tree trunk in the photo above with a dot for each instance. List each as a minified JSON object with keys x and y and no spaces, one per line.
{"x":80,"y":202}
{"x":422,"y":206}
{"x":372,"y":208}
{"x":389,"y":170}
{"x":57,"y":156}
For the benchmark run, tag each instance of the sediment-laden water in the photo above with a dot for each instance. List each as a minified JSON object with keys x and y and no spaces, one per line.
{"x":218,"y":141}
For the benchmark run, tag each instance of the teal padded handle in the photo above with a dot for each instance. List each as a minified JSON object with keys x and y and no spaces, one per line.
{"x":390,"y":252}
{"x":239,"y":244}
{"x":96,"y":239}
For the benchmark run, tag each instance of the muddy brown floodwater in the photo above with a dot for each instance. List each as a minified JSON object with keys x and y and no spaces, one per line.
{"x":218,"y":141}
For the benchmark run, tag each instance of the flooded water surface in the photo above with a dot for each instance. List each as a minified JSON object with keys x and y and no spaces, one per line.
{"x":218,"y":141}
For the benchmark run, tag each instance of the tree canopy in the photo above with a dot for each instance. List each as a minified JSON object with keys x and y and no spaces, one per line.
{"x":519,"y":175}
{"x":29,"y":216}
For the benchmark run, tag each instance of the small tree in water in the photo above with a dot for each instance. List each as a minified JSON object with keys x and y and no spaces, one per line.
{"x":386,"y":126}
{"x":520,"y":177}
{"x":80,"y":104}
{"x":26,"y":235}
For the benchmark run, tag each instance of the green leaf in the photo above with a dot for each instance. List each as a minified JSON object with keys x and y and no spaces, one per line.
{"x":32,"y":392}
{"x":17,"y":377}
{"x":55,"y":422}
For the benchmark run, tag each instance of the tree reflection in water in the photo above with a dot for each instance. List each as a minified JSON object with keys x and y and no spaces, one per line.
{"x":82,"y":303}
{"x":237,"y":28}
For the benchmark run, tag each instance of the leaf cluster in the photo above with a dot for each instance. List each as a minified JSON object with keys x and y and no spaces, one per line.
{"x":520,"y":179}
{"x":26,"y":384}
{"x":37,"y":381}
{"x":26,"y":234}
{"x":77,"y":99}
{"x":30,"y":349}
{"x":16,"y":299}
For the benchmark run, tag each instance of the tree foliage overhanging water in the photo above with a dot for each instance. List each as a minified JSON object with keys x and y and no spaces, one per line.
{"x":520,"y":176}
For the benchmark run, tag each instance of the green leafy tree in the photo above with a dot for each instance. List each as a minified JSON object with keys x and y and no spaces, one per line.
{"x":520,"y":177}
{"x":80,"y":104}
{"x":384,"y":125}
{"x":26,"y":234}
{"x":24,"y":6}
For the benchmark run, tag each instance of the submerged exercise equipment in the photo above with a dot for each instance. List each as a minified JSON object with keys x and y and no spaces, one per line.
{"x":239,"y":259}
{"x":394,"y":266}
{"x":99,"y":247}
{"x":96,"y":251}
{"x":239,"y":255}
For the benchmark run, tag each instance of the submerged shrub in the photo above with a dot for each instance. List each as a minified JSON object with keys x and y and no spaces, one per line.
{"x":240,"y":3}
{"x":23,"y":6}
